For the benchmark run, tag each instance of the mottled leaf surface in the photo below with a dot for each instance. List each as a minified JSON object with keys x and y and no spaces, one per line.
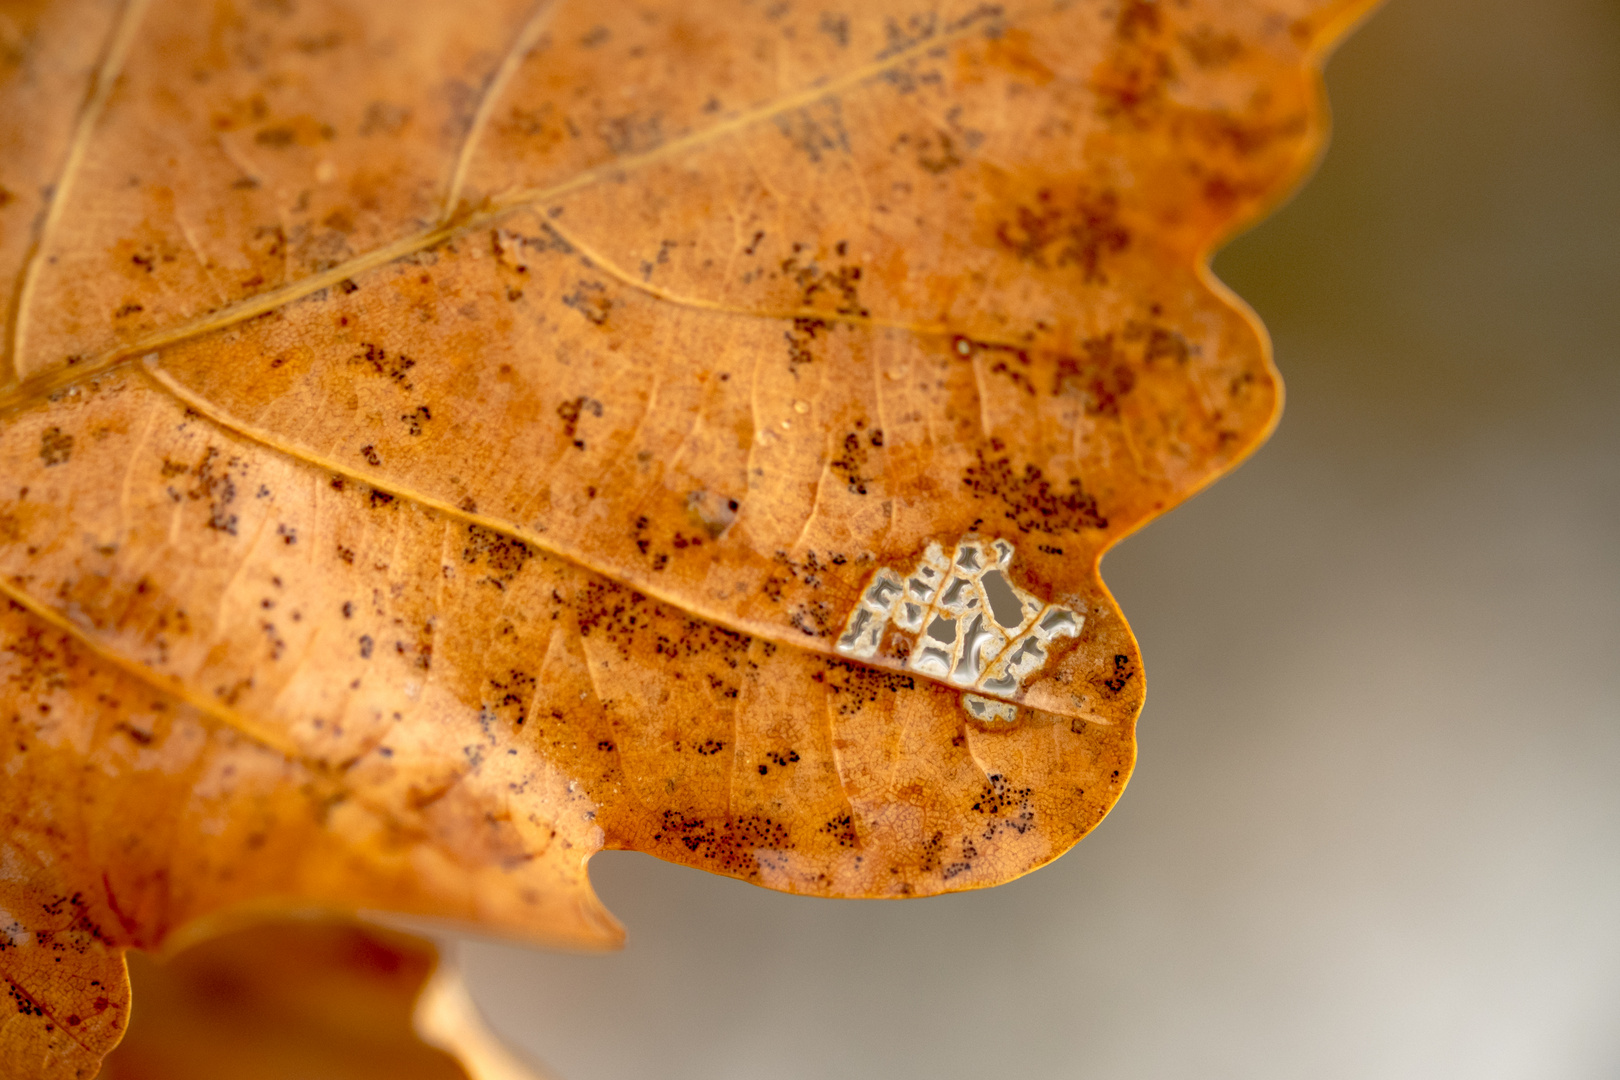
{"x":438,"y":442}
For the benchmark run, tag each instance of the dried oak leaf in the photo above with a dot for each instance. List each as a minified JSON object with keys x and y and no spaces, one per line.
{"x":440,"y":441}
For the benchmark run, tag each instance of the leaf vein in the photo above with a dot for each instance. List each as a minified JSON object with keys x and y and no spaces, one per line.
{"x":95,"y":104}
{"x":24,"y":391}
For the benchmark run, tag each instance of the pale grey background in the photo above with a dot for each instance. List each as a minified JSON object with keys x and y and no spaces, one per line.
{"x":1375,"y":830}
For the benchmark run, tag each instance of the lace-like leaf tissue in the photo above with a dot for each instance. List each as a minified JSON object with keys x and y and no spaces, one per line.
{"x":962,"y":620}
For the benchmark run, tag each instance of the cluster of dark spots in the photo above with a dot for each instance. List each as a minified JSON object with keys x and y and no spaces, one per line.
{"x":55,"y":447}
{"x":728,"y":844}
{"x":44,"y":669}
{"x":288,"y":534}
{"x":509,"y":695}
{"x":126,"y":310}
{"x":1057,"y":231}
{"x":1100,"y":376}
{"x":569,"y":413}
{"x":591,"y":300}
{"x":695,"y":639}
{"x":214,"y":482}
{"x":380,"y":498}
{"x":809,"y":572}
{"x":273,"y":639}
{"x":502,"y":556}
{"x":814,"y":281}
{"x":377,"y":360}
{"x":367,"y":644}
{"x":26,"y":1005}
{"x":346,"y":554}
{"x":855,"y":686}
{"x":799,"y":340}
{"x":810,"y":569}
{"x":1033,"y":503}
{"x":900,"y":36}
{"x":931,"y":848}
{"x":816,"y":130}
{"x":151,"y":257}
{"x":231,"y":694}
{"x":415,"y":420}
{"x":709,"y":747}
{"x":912,"y":77}
{"x":369,"y":452}
{"x":841,"y":829}
{"x":781,"y":761}
{"x":618,"y":614}
{"x":1050,"y":549}
{"x":813,"y":620}
{"x":1122,"y":673}
{"x":850,"y":463}
{"x":1005,"y":806}
{"x":896,"y":646}
{"x":661,"y":259}
{"x":420,"y":651}
{"x":72,"y":931}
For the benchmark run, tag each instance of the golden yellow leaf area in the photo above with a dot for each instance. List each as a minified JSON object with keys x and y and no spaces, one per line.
{"x":305,"y":1001}
{"x":438,"y":441}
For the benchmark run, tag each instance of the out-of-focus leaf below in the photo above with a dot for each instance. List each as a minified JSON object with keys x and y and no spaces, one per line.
{"x":307,"y":1000}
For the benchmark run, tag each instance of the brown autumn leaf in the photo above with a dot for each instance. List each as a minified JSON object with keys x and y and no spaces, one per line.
{"x":306,"y":999}
{"x":440,"y":441}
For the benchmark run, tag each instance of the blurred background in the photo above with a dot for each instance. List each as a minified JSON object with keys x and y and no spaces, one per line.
{"x":1375,"y":828}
